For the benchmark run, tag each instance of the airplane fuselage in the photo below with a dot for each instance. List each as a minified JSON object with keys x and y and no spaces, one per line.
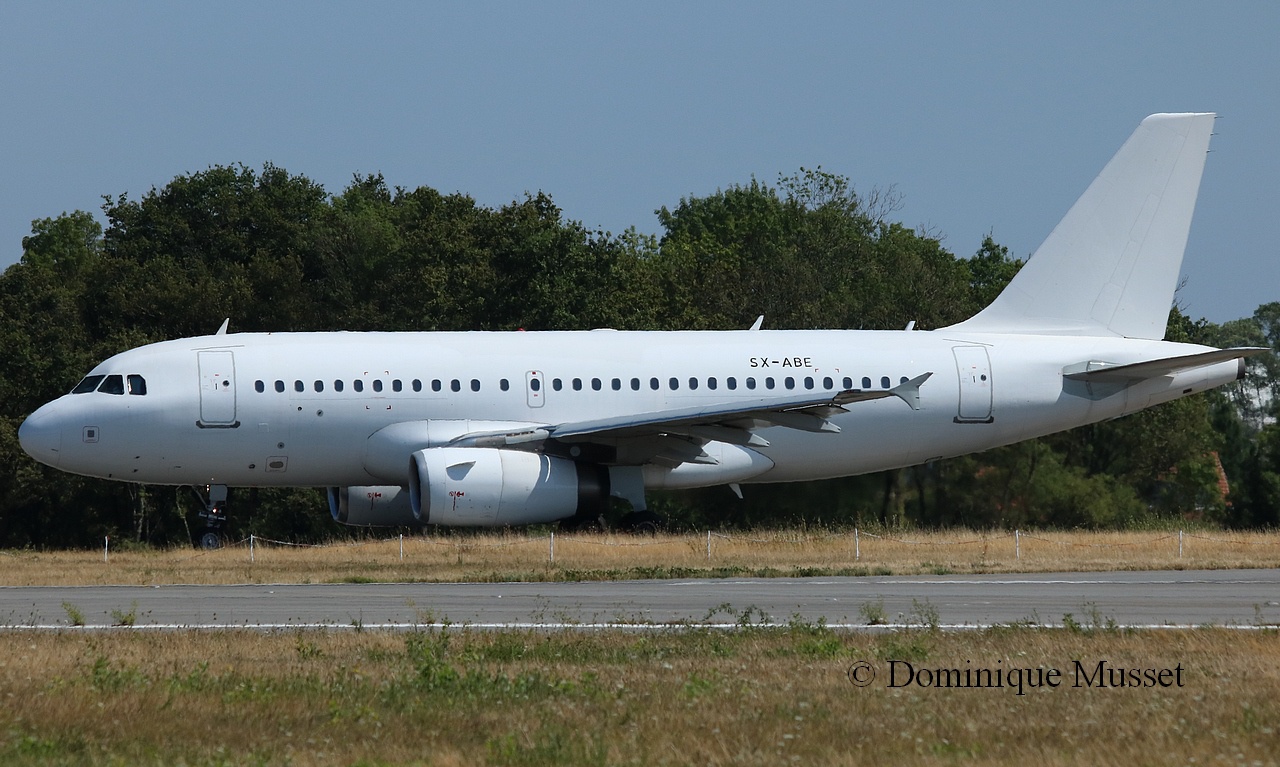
{"x":303,"y":409}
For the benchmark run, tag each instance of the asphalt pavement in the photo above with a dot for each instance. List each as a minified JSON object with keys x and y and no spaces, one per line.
{"x":1243,"y":598}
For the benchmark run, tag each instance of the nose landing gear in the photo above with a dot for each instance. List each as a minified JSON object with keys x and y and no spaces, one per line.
{"x":214,"y":499}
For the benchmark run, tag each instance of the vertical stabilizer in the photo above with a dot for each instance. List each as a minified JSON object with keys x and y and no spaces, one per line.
{"x":1111,"y":265}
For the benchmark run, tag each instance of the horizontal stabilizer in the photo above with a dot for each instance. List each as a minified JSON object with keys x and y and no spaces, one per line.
{"x":1096,"y":370}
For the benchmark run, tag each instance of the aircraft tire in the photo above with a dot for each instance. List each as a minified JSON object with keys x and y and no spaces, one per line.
{"x":642,"y":523}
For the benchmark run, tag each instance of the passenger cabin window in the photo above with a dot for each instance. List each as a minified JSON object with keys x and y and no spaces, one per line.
{"x":635,"y":384}
{"x":557,"y":384}
{"x":504,"y":384}
{"x":768,"y":382}
{"x":790,"y":382}
{"x":808,"y":382}
{"x":280,"y":386}
{"x":616,"y":384}
{"x":674,"y":383}
{"x":337,"y":384}
{"x":377,"y":384}
{"x":319,"y":386}
{"x":259,"y":386}
{"x":90,"y":383}
{"x":396,"y":385}
{"x":112,"y":385}
{"x":827,"y":383}
{"x":358,"y":385}
{"x":475,"y":384}
{"x":751,"y":383}
{"x":693,"y":382}
{"x":455,"y":385}
{"x":711,"y":383}
{"x":884,"y":382}
{"x":577,"y":384}
{"x":654,"y":384}
{"x":731,"y":382}
{"x":595,"y":384}
{"x":848,"y":382}
{"x":298,"y":386}
{"x":417,"y":385}
{"x":435,"y":385}
{"x":866,"y":382}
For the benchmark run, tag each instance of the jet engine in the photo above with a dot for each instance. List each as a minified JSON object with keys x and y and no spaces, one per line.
{"x":491,"y":487}
{"x":377,"y":506}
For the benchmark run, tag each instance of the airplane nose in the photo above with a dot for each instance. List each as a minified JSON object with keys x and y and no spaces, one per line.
{"x":41,"y":436}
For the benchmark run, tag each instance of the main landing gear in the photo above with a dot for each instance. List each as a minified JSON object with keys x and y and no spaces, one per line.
{"x":214,"y":515}
{"x":643,"y":522}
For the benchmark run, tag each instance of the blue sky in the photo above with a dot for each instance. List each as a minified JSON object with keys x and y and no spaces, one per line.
{"x":986,"y":117}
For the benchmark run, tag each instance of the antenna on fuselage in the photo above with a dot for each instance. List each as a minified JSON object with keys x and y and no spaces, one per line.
{"x":222,"y":331}
{"x":759,"y":321}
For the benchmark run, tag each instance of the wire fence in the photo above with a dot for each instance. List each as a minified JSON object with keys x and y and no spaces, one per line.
{"x":711,"y":542}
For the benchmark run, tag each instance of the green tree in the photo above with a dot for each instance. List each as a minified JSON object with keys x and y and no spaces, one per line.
{"x":990,"y":270}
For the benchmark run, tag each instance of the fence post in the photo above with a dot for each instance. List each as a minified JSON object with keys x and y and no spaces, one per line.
{"x":857,"y":546}
{"x":106,"y":539}
{"x":250,"y":548}
{"x":708,"y":545}
{"x":401,"y":547}
{"x":1017,"y":544}
{"x":553,"y":546}
{"x":1179,"y":544}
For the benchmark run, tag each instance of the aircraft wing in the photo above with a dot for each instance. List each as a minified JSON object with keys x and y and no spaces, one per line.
{"x":1137,"y":371}
{"x":677,"y":435}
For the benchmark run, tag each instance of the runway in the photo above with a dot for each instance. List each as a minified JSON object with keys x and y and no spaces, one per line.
{"x":1242,"y":598}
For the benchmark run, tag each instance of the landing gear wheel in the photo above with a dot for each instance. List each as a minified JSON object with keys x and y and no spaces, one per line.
{"x":214,"y":515}
{"x":642,"y":523}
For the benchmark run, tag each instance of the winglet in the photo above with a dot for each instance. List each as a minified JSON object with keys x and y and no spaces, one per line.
{"x":909,"y":391}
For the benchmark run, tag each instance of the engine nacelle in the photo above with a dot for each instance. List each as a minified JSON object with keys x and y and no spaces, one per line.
{"x":490,"y":487}
{"x":378,"y":506}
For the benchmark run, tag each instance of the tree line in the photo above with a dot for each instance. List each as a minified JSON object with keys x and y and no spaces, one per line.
{"x":274,"y":251}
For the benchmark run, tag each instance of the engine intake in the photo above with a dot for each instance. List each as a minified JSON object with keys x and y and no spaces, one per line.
{"x":489,"y":487}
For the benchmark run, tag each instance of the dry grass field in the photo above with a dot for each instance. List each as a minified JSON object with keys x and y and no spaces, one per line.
{"x":747,"y":696}
{"x":751,"y":695}
{"x":520,"y":556}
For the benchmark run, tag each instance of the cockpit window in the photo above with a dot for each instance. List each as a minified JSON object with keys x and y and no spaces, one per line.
{"x":90,"y":383}
{"x":112,"y":385}
{"x":137,"y":384}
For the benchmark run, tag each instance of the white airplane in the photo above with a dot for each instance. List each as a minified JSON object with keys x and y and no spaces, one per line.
{"x":516,"y":428}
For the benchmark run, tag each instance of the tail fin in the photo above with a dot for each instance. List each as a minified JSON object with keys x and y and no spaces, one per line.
{"x":1111,"y":265}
